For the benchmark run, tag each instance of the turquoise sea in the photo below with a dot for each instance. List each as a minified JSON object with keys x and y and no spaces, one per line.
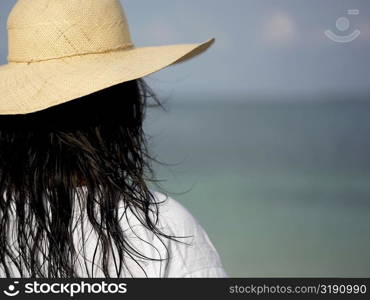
{"x":281,"y":186}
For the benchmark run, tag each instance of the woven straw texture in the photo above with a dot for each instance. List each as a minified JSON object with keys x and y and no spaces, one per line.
{"x":60,"y":50}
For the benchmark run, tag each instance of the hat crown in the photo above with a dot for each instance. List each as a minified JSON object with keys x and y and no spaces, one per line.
{"x":41,"y":30}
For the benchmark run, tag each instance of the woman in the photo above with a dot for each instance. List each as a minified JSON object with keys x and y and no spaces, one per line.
{"x":74,"y":167}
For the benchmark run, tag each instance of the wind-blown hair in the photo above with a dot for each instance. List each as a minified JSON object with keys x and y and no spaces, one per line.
{"x":96,"y":141}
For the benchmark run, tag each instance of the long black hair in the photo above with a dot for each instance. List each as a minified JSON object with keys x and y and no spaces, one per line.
{"x":95,"y":142}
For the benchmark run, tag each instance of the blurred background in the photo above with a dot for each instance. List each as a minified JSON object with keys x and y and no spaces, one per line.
{"x":266,"y":134}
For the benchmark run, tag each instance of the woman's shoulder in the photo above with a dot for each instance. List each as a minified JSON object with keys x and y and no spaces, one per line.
{"x":191,"y":254}
{"x":195,"y":255}
{"x":174,"y":214}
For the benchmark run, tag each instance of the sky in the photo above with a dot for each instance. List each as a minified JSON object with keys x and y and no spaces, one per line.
{"x":262,"y":47}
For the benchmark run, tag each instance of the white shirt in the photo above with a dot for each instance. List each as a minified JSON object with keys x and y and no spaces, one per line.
{"x":195,"y":257}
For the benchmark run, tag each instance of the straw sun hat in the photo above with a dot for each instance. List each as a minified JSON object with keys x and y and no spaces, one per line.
{"x":60,"y":50}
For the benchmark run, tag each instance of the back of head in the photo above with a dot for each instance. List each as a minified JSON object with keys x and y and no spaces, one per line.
{"x":95,"y":142}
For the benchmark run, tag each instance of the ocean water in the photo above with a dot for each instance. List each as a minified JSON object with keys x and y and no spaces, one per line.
{"x":282,"y":187}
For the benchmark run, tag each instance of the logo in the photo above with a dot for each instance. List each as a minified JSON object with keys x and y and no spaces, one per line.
{"x":11,"y":292}
{"x":343,"y":24}
{"x":68,"y":288}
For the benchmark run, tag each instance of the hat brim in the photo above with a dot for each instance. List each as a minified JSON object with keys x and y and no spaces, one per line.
{"x":27,"y":88}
